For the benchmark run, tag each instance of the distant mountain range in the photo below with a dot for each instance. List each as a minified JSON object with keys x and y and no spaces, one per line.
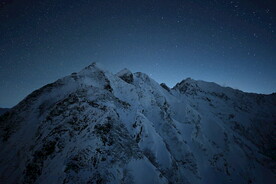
{"x":97,"y":127}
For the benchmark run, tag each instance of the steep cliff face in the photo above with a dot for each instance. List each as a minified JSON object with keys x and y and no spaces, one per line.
{"x":96,"y":127}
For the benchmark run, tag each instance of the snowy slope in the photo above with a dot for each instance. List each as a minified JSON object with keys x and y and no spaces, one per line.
{"x":97,"y":127}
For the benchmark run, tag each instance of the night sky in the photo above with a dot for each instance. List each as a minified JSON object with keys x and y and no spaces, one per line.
{"x":231,"y":43}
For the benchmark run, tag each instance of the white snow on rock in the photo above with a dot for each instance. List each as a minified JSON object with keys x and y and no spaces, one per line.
{"x":126,"y":75}
{"x":97,"y":127}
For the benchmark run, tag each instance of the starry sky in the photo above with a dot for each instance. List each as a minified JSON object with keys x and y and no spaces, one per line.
{"x":231,"y":43}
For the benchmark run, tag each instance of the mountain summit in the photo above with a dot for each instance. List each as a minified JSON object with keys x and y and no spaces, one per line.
{"x":97,"y":127}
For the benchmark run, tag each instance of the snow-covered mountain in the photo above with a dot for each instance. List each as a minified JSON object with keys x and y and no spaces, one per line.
{"x":97,"y":127}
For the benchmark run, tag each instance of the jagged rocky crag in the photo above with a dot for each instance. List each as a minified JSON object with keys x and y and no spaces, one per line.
{"x":97,"y":127}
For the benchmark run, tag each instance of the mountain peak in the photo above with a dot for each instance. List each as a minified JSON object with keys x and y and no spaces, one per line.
{"x":92,"y":67}
{"x":186,"y":85}
{"x":123,"y":72}
{"x":126,"y":75}
{"x":94,"y":127}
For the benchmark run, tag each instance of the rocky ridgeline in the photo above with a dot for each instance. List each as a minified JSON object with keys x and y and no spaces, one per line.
{"x":97,"y":127}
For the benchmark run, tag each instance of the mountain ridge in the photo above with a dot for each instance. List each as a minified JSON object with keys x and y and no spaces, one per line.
{"x":97,"y":127}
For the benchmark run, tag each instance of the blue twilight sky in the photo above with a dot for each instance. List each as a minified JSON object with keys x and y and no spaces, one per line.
{"x":231,"y":43}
